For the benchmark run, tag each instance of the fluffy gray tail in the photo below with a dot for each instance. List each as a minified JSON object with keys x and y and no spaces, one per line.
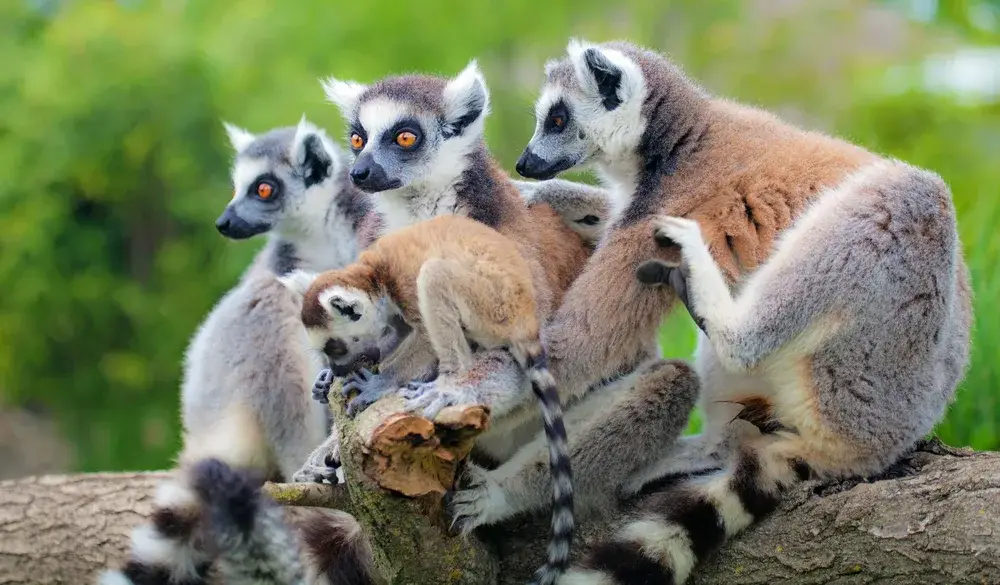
{"x":215,"y":514}
{"x":561,"y":533}
{"x":679,"y":527}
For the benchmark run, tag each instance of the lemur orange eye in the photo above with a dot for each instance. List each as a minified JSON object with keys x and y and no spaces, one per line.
{"x":357,"y":142}
{"x":406,"y":139}
{"x":264,"y":190}
{"x":558,"y":121}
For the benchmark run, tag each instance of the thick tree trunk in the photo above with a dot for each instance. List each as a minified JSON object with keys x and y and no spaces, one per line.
{"x":939,"y":524}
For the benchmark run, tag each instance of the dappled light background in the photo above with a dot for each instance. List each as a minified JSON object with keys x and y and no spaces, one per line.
{"x":115,"y":163}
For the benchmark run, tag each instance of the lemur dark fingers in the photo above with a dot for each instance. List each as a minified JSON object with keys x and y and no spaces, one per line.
{"x":321,"y":387}
{"x":657,"y":272}
{"x":322,"y":465}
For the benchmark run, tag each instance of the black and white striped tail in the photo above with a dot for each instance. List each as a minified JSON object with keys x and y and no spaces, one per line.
{"x":245,"y":528}
{"x":681,"y":526}
{"x":167,"y":550}
{"x":212,"y":507}
{"x":561,"y":533}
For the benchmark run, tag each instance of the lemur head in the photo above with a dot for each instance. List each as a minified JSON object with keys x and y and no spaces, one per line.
{"x":591,"y":108}
{"x":281,"y":179}
{"x":411,"y":130}
{"x":351,"y":326}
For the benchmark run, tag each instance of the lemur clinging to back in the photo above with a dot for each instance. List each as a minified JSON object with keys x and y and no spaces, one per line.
{"x":456,"y":282}
{"x":419,"y":147}
{"x":245,"y":397}
{"x":850,"y":324}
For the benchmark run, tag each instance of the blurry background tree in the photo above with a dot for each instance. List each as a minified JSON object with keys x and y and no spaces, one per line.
{"x":115,"y":163}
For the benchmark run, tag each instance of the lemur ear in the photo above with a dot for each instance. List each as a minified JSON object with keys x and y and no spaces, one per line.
{"x":344,"y":94}
{"x":238,"y":137}
{"x":310,"y":154}
{"x":346,"y":306}
{"x":466,"y":101}
{"x":298,"y":281}
{"x":599,"y":71}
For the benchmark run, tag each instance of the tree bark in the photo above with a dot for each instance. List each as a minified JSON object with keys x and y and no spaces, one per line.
{"x":938,"y":524}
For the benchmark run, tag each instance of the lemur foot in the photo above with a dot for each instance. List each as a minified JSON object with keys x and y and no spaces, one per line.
{"x":429,"y":398}
{"x":682,"y":232}
{"x":686,"y":234}
{"x":370,"y":388}
{"x":321,"y":387}
{"x":322,"y":466}
{"x":481,"y":501}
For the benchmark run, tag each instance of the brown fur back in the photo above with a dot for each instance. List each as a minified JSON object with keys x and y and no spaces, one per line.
{"x":555,"y":253}
{"x":752,"y":176}
{"x":393,"y":262}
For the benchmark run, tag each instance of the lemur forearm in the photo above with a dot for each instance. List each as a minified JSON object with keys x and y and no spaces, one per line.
{"x":595,"y":336}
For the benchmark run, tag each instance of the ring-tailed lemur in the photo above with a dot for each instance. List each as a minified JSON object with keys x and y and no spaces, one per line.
{"x":245,"y":396}
{"x":418,"y":141}
{"x":456,"y":282}
{"x":852,"y":328}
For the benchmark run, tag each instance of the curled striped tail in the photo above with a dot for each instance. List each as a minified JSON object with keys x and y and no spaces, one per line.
{"x":168,"y":549}
{"x":213,"y":514}
{"x":245,"y":528}
{"x":561,"y":532}
{"x":676,"y":529}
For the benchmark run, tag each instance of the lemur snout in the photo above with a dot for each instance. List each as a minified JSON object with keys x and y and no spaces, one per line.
{"x":532,"y":166}
{"x":369,"y":176}
{"x":335,"y":348}
{"x":234,"y":227}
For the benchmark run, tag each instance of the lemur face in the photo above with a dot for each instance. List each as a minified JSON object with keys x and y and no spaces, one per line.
{"x":349,"y":327}
{"x":590,"y":106}
{"x":277,"y":179}
{"x":410,"y":130}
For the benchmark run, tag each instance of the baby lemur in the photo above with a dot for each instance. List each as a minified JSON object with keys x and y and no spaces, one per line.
{"x":455,"y":281}
{"x":829,"y":282}
{"x":245,"y":394}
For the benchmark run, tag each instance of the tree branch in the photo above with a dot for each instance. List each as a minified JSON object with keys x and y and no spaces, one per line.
{"x":939,"y":522}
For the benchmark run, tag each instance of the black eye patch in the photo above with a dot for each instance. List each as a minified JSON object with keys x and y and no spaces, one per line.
{"x":410,"y":125}
{"x":557,"y":118}
{"x":256,"y":188}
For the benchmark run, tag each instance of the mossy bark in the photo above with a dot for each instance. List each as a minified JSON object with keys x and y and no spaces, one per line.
{"x":408,"y":533}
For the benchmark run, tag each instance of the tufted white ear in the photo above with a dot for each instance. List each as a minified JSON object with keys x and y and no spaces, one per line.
{"x":606,"y":74}
{"x":466,"y":100}
{"x":344,"y":94}
{"x":304,"y":129}
{"x":238,"y":137}
{"x":298,"y":281}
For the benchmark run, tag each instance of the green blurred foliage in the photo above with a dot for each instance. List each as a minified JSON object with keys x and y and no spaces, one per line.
{"x":116,"y":165}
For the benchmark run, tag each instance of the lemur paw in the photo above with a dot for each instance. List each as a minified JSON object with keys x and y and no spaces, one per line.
{"x":429,"y":398}
{"x":683,"y":232}
{"x":322,"y":466}
{"x":481,"y":501}
{"x":370,"y":387}
{"x":321,"y":387}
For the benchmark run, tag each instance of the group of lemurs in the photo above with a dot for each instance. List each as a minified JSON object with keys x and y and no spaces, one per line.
{"x":827,"y":283}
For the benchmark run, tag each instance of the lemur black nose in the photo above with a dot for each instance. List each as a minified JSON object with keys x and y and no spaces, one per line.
{"x":335,"y":348}
{"x":522,"y":163}
{"x":222,"y":224}
{"x":358,"y":176}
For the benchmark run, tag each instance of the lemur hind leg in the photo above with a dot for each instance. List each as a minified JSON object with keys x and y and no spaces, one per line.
{"x":459,"y":300}
{"x":627,"y":429}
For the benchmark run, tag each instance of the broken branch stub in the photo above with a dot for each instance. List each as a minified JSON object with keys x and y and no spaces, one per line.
{"x":412,"y":455}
